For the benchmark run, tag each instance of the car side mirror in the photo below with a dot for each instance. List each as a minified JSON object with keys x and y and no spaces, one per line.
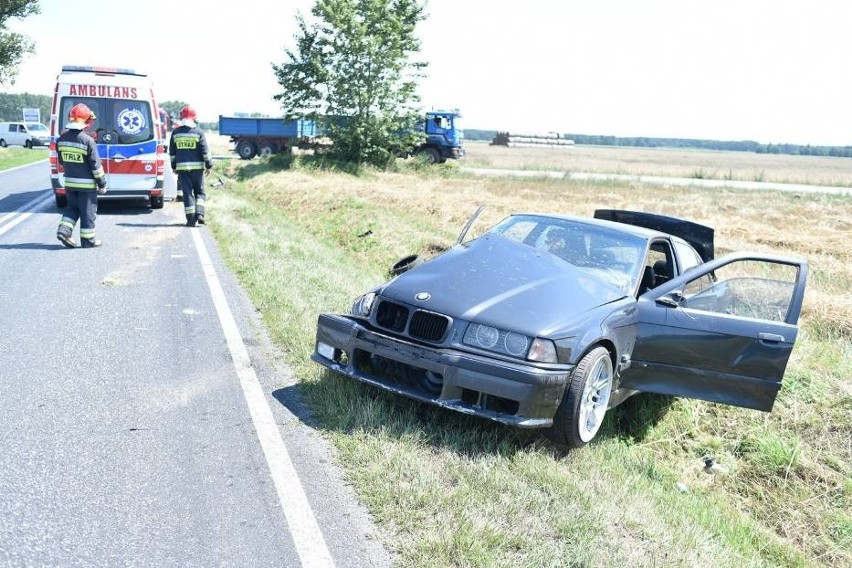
{"x":672,"y":299}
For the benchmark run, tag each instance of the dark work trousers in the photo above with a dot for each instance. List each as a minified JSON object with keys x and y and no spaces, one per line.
{"x":191,"y":184}
{"x":82,"y":206}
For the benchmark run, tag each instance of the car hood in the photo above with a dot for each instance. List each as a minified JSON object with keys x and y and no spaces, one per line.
{"x":499,"y":282}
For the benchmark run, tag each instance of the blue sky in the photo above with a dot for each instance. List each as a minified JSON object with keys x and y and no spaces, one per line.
{"x":770,"y":71}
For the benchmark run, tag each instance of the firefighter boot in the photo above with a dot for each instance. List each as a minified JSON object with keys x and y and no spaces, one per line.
{"x":190,"y":220}
{"x":90,"y":243}
{"x":66,"y":240}
{"x":200,"y":219}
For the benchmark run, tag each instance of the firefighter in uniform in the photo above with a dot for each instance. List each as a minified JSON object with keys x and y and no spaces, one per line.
{"x":190,"y":158}
{"x":84,"y":178}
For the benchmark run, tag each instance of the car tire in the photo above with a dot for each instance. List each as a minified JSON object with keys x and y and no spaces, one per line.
{"x":157,"y":202}
{"x":28,"y":145}
{"x":581,"y":412}
{"x":405,"y":264}
{"x":2,"y":143}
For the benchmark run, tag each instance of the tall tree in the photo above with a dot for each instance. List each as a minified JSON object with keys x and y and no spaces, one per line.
{"x":14,"y":46}
{"x":351,"y":72}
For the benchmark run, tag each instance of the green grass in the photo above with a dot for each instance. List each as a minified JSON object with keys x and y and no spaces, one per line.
{"x":451,"y":490}
{"x":13,"y":157}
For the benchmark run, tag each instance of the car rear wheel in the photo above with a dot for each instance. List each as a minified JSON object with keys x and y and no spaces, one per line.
{"x":157,"y":202}
{"x":2,"y":143}
{"x":581,"y":413}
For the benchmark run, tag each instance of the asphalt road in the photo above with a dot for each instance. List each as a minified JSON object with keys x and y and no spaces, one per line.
{"x":144,"y":420}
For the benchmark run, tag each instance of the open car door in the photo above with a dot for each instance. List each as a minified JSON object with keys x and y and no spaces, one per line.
{"x":722,"y":332}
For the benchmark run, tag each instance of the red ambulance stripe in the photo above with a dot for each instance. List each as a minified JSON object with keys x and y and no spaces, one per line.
{"x":144,"y":167}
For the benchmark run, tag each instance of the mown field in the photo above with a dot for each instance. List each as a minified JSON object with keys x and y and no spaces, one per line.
{"x":741,"y":166}
{"x":450,"y":490}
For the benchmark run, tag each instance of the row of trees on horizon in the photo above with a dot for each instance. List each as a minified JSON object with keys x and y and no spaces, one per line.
{"x":689,"y":143}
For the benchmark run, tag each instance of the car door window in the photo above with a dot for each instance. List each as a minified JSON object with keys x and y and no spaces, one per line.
{"x":748,"y":288}
{"x":657,"y":263}
{"x":687,"y":255}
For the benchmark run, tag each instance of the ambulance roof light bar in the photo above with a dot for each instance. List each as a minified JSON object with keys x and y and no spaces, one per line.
{"x":101,"y":70}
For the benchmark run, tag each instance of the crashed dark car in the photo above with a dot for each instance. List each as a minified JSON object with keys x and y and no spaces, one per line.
{"x":547,"y":321}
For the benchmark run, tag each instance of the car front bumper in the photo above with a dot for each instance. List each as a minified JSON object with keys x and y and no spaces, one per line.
{"x":520,"y":394}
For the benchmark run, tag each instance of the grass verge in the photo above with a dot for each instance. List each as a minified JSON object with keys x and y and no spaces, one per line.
{"x":450,"y":490}
{"x":14,"y":157}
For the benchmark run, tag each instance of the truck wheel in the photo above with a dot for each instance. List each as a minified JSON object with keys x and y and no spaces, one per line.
{"x":246,"y":150}
{"x":430,"y":155}
{"x":266,"y":149}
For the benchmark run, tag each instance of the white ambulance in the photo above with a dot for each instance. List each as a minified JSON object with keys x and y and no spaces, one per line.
{"x":126,"y":129}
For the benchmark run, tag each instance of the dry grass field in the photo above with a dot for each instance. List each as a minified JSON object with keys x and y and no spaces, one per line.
{"x":700,"y":164}
{"x":451,"y":491}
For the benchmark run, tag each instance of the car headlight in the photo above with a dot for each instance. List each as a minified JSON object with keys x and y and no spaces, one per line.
{"x":363,"y":305}
{"x":509,"y":343}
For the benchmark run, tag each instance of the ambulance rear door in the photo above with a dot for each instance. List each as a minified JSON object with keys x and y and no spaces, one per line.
{"x":127,"y":141}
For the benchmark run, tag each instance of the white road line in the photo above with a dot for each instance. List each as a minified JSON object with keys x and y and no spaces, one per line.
{"x":307,"y":536}
{"x":20,"y":214}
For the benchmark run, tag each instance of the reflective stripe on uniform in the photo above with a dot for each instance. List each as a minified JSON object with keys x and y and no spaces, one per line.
{"x":87,"y":233}
{"x":67,"y":222}
{"x":71,"y":146}
{"x":189,"y":166}
{"x":80,"y":183}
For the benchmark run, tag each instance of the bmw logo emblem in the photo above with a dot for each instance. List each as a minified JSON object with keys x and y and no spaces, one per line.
{"x":422,"y":296}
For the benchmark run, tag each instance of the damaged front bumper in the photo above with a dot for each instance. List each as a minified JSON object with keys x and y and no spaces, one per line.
{"x":522,"y":394}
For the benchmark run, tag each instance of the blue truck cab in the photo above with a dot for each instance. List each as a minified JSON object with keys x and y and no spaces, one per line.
{"x":444,"y":137}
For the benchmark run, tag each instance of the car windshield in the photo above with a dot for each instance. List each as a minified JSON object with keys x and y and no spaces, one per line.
{"x":117,"y":121}
{"x":611,"y":255}
{"x":37,"y":127}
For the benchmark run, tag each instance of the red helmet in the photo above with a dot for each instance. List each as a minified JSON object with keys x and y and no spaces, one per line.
{"x":187,"y":113}
{"x":81,"y":113}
